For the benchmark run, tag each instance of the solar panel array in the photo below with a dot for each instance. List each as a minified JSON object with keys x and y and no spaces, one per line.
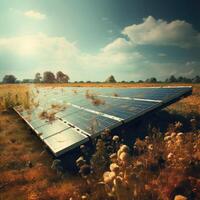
{"x":65,"y":118}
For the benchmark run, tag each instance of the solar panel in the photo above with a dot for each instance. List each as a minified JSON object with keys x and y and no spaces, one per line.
{"x":67,"y":117}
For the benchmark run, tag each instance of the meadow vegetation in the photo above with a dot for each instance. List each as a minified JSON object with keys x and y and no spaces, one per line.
{"x":163,"y":165}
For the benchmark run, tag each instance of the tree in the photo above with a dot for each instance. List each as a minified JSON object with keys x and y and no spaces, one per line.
{"x":153,"y":80}
{"x":49,"y":77}
{"x":180,"y":79}
{"x":9,"y":79}
{"x":147,"y":80}
{"x":61,"y":77}
{"x":140,"y":81}
{"x":171,"y":79}
{"x":196,"y":79}
{"x":38,"y":78}
{"x":110,"y":79}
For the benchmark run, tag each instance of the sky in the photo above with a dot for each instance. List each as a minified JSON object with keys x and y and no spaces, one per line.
{"x":92,"y":39}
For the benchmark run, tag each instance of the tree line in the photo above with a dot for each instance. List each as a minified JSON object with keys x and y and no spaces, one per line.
{"x":60,"y":77}
{"x":48,"y":77}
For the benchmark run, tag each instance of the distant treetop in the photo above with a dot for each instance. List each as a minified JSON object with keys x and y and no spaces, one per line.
{"x":110,"y":79}
{"x":9,"y":79}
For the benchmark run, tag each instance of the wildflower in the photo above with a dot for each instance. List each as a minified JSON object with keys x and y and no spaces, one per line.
{"x":123,"y":148}
{"x":115,"y":138}
{"x":170,"y":155}
{"x":82,"y":147}
{"x":114,"y":167}
{"x":147,"y":138}
{"x":124,"y":157}
{"x":180,"y":197}
{"x":108,"y":177}
{"x":173,"y":134}
{"x":113,"y":157}
{"x":166,"y":138}
{"x":167,"y":133}
{"x":180,"y":134}
{"x":178,"y":125}
{"x":80,"y":161}
{"x":84,"y":197}
{"x":118,"y":180}
{"x":150,"y":147}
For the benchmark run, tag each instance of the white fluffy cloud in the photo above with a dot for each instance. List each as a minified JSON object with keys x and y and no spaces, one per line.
{"x":34,"y":15}
{"x":30,"y":45}
{"x":160,"y":32}
{"x":120,"y":44}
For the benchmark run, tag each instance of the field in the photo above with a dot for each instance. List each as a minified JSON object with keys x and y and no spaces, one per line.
{"x":162,"y":165}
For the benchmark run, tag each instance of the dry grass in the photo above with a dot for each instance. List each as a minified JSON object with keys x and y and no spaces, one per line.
{"x":154,"y":168}
{"x":18,"y":178}
{"x":118,"y":85}
{"x":50,"y":116}
{"x":13,"y":95}
{"x":159,"y":167}
{"x":189,"y":104}
{"x":50,"y":113}
{"x":95,"y":100}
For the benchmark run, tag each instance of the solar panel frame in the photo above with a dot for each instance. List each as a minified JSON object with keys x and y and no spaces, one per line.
{"x":183,"y":91}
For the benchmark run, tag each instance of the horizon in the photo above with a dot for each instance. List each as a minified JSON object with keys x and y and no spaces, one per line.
{"x":132,"y":40}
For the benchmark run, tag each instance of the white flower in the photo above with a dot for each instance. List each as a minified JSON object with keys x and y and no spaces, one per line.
{"x":80,"y":161}
{"x":108,"y":177}
{"x":180,"y":134}
{"x":115,"y":138}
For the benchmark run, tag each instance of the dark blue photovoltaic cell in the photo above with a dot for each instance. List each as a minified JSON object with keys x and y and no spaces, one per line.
{"x":146,"y":93}
{"x":89,"y":122}
{"x":68,"y":111}
{"x":124,"y":109}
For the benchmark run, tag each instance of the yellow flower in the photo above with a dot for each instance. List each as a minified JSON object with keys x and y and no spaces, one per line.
{"x":114,"y":167}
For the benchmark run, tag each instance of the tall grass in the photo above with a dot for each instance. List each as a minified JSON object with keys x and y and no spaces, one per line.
{"x":160,"y":167}
{"x":14,"y":95}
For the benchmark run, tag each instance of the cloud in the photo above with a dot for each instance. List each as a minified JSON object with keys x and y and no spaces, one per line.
{"x":119,"y":44}
{"x":36,"y":44}
{"x":34,"y":15}
{"x":159,"y":32}
{"x":121,"y":56}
